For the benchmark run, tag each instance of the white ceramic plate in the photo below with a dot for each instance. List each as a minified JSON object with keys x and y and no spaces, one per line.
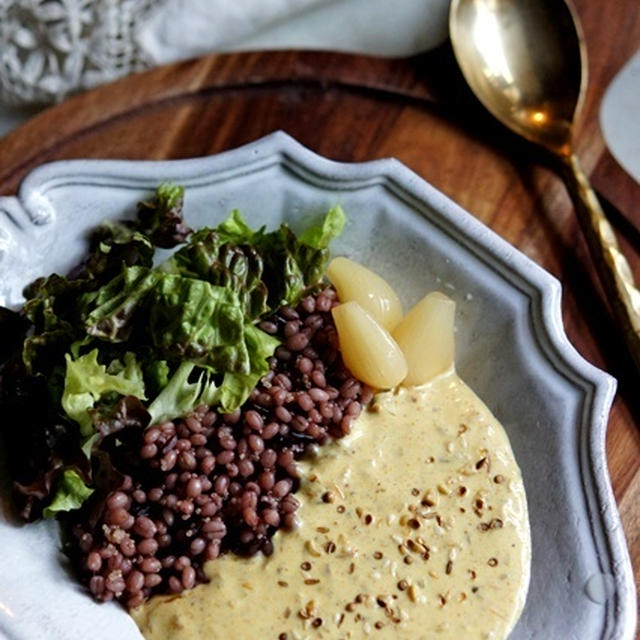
{"x":511,"y":349}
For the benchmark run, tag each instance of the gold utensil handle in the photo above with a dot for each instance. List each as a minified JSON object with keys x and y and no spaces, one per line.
{"x":612,"y":267}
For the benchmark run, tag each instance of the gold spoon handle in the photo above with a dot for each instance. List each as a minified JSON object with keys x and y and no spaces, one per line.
{"x":612,"y":267}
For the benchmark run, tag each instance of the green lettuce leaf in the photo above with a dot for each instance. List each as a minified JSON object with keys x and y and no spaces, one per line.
{"x":266,"y":270}
{"x":87,"y":381}
{"x":179,"y":397}
{"x":236,"y":231}
{"x":290,"y":266}
{"x":236,"y":387}
{"x":70,"y":494}
{"x":109,"y":312}
{"x":210,"y":256}
{"x":294,"y":263}
{"x":193,"y":320}
{"x":156,"y":376}
{"x":319,"y":236}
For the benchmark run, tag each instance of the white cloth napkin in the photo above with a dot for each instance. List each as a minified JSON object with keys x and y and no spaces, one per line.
{"x":187,"y":28}
{"x":180,"y":29}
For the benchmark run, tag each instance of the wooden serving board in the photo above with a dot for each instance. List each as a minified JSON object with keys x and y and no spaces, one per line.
{"x":354,"y":108}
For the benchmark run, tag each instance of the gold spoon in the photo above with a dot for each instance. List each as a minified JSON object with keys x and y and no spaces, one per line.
{"x":525,"y":60}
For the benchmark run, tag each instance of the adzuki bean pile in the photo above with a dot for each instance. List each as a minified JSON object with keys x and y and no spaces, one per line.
{"x":213,"y":483}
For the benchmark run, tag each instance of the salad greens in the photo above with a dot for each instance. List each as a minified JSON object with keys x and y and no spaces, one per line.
{"x":70,"y":493}
{"x":86,"y":382}
{"x":123,"y":343}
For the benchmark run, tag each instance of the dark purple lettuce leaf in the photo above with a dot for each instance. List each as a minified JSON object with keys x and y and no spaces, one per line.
{"x":13,"y":327}
{"x":39,"y":440}
{"x":161,"y":218}
{"x":112,"y":246}
{"x":121,"y":413}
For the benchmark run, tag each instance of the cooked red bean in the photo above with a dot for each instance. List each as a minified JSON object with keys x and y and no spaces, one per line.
{"x":128,"y":547}
{"x":281,"y":488}
{"x":209,"y":419}
{"x":151,"y":565}
{"x":169,"y":460}
{"x":305,"y":402}
{"x":175,"y":585}
{"x":271,"y":517}
{"x":208,"y":464}
{"x":318,"y":378}
{"x":186,"y":507}
{"x":118,"y":516}
{"x":254,"y":419}
{"x":193,"y":424}
{"x":245,"y":468}
{"x":225,"y":457}
{"x":291,"y":328}
{"x":114,"y":582}
{"x":152,"y":580}
{"x":266,"y":480}
{"x":318,"y":395}
{"x":308,"y":304}
{"x":194,"y":488}
{"x":86,"y":542}
{"x":197,"y":546}
{"x":215,"y":526}
{"x":187,"y":460}
{"x":145,"y":527}
{"x":297,"y":342}
{"x":290,"y":504}
{"x":212,"y":551}
{"x":135,"y":600}
{"x":234,"y":417}
{"x":96,"y":585}
{"x":94,"y":561}
{"x":148,"y":547}
{"x":148,"y":451}
{"x":135,"y":581}
{"x":181,"y":563}
{"x":118,"y":499}
{"x":188,"y":577}
{"x":268,"y":326}
{"x":290,"y":521}
{"x":285,"y":458}
{"x":209,"y":509}
{"x":283,"y":414}
{"x":250,"y":516}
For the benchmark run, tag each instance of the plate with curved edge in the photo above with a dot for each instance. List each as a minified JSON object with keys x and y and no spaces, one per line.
{"x":512,"y":350}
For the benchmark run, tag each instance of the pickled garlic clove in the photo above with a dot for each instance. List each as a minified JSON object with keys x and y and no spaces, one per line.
{"x":353,"y":282}
{"x":426,"y":337}
{"x":368,"y":350}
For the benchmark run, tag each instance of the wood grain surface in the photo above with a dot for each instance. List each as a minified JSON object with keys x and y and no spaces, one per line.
{"x":418,"y":110}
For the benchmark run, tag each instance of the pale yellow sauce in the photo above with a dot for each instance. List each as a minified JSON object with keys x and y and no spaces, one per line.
{"x":426,"y":536}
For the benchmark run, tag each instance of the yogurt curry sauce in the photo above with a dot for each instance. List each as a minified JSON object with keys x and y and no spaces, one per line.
{"x":414,"y":526}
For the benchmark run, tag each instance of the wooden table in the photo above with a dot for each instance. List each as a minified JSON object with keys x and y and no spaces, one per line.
{"x":355,"y":108}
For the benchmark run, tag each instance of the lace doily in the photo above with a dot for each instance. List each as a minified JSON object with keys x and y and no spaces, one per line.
{"x":49,"y":48}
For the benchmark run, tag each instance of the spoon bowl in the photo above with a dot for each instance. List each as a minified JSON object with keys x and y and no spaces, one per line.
{"x":526,"y":61}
